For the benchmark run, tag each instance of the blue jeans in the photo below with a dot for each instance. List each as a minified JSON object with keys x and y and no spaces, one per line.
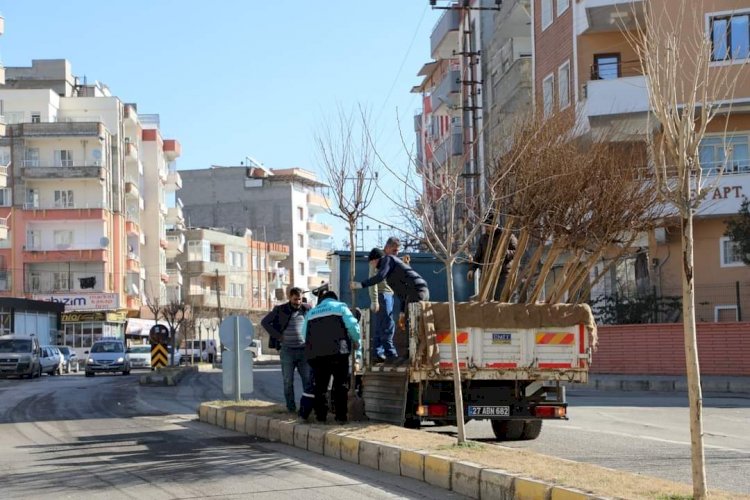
{"x":292,"y":358}
{"x":385,"y":327}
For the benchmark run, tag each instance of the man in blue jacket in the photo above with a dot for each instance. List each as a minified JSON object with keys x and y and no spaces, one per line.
{"x":331,"y":332}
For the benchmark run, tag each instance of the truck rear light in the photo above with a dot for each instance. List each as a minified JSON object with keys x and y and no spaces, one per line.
{"x":438,"y":410}
{"x":549,"y":411}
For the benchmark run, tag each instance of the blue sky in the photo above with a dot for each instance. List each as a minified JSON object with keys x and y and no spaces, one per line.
{"x":232,"y":79}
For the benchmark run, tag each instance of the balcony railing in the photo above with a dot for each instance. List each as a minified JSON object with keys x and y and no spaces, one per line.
{"x":444,"y":37}
{"x":615,"y":69}
{"x":63,"y":206}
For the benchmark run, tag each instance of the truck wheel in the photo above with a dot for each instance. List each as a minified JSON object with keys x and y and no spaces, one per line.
{"x":507,"y":430}
{"x":531,"y":429}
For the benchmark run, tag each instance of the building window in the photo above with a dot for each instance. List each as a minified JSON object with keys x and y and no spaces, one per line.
{"x":546,"y":13}
{"x":31,"y":157}
{"x":730,"y":154}
{"x":301,"y":213}
{"x":730,"y":37}
{"x":63,"y":238}
{"x":64,"y":198}
{"x":606,"y":67}
{"x":300,"y":240}
{"x":562,"y":6}
{"x":33,"y":239}
{"x":726,"y":313}
{"x":563,"y":90}
{"x":36,"y":117}
{"x":4,"y":156}
{"x":63,"y":158}
{"x":5,"y":197}
{"x":35,"y":282}
{"x":302,"y":268}
{"x":199,"y":251}
{"x":548,"y":94}
{"x":730,"y":253}
{"x":60,"y":281}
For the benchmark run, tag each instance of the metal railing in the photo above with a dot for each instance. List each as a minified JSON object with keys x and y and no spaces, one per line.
{"x":615,"y":69}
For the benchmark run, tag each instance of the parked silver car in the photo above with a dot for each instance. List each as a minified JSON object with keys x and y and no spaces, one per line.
{"x":52,"y":360}
{"x":140,"y":356}
{"x":70,"y":358}
{"x":107,"y":356}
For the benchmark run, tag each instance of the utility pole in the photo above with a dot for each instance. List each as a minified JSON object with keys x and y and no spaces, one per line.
{"x":218,"y":296}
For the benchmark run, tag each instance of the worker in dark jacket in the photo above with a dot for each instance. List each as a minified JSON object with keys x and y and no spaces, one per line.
{"x":331,"y":332}
{"x":284,"y":323}
{"x":406,"y":283}
{"x":494,"y":234}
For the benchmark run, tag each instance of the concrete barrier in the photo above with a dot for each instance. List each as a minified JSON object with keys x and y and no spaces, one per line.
{"x":437,"y":470}
{"x":369,"y":454}
{"x":412,"y":464}
{"x":350,"y":449}
{"x":465,"y":478}
{"x":203,"y":413}
{"x":211,"y":415}
{"x":559,"y":493}
{"x":251,"y":424}
{"x":495,"y":483}
{"x":230,"y":417}
{"x":530,"y":489}
{"x":389,"y":459}
{"x":261,"y":426}
{"x":273,"y":430}
{"x":239,"y":421}
{"x":286,"y":432}
{"x":332,"y":445}
{"x":300,"y":435}
{"x":221,"y":417}
{"x":316,"y":440}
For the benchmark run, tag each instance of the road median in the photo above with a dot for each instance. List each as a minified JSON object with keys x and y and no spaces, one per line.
{"x":477,"y":470}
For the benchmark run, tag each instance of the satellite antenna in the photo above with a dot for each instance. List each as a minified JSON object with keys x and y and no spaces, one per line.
{"x":104,"y":242}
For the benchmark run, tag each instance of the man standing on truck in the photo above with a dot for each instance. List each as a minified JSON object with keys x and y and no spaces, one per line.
{"x":406,"y":283}
{"x":381,"y":305}
{"x":284,"y":323}
{"x":492,"y":233}
{"x":330,"y":331}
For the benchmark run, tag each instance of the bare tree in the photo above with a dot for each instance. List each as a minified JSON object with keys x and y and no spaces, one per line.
{"x":176,"y":314}
{"x":346,"y":155}
{"x":685,"y":95}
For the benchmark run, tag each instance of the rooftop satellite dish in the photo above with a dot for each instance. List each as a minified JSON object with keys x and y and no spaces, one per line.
{"x":97,"y":154}
{"x":104,"y":242}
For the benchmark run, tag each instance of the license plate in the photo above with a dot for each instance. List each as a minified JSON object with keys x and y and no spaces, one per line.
{"x":489,"y":411}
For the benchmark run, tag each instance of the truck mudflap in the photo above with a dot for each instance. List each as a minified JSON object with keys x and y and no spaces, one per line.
{"x":385,"y":395}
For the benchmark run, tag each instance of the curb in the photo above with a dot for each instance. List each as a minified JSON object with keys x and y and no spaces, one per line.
{"x":467,"y":478}
{"x":166,"y":377}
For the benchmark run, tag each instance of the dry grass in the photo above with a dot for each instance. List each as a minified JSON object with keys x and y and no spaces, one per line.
{"x":586,"y":477}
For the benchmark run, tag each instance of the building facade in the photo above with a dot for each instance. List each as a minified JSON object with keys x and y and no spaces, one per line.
{"x":277,"y":205}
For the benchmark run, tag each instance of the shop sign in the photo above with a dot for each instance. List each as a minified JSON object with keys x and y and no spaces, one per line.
{"x":82,"y":301}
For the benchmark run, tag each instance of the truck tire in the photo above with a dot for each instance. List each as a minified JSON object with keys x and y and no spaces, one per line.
{"x":507,"y":430}
{"x":531,"y":429}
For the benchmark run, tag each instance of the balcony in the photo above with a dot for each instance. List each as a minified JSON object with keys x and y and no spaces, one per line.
{"x":172,"y":149}
{"x":175,"y":215}
{"x":174,"y":181}
{"x":176,"y":245}
{"x":131,"y":151}
{"x":207,"y":298}
{"x":444,"y":37}
{"x":3,"y":176}
{"x":133,"y":302}
{"x":133,"y":263}
{"x":277,"y":251}
{"x":3,"y":228}
{"x":317,"y":255}
{"x":418,"y":122}
{"x":52,"y":211}
{"x":319,"y":231}
{"x":616,"y":96}
{"x":131,"y":189}
{"x":64,"y":255}
{"x":445,"y":96}
{"x":34,"y":170}
{"x":204,"y":268}
{"x":62,"y":129}
{"x":131,"y":115}
{"x":453,"y":145}
{"x":598,"y":16}
{"x":3,"y":126}
{"x":175,"y":277}
{"x":317,"y":203}
{"x":132,"y":228}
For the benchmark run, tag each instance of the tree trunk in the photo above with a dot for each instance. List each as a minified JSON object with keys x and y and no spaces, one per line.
{"x":454,"y":354}
{"x":691,"y":360}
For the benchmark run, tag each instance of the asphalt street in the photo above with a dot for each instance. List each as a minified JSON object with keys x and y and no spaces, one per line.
{"x":108,"y":437}
{"x":642,"y":432}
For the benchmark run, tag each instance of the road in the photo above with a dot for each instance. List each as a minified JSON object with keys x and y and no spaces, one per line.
{"x":109,"y":438}
{"x":642,"y":432}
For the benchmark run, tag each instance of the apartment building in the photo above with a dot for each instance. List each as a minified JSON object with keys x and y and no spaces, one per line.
{"x":74,"y":200}
{"x":277,"y":205}
{"x":582,"y":61}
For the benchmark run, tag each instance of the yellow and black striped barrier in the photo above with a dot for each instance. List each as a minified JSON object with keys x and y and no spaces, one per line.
{"x":159,"y":355}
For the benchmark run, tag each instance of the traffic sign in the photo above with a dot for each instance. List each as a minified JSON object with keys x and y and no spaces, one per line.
{"x":236,"y":333}
{"x":158,"y":334}
{"x":158,"y":355}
